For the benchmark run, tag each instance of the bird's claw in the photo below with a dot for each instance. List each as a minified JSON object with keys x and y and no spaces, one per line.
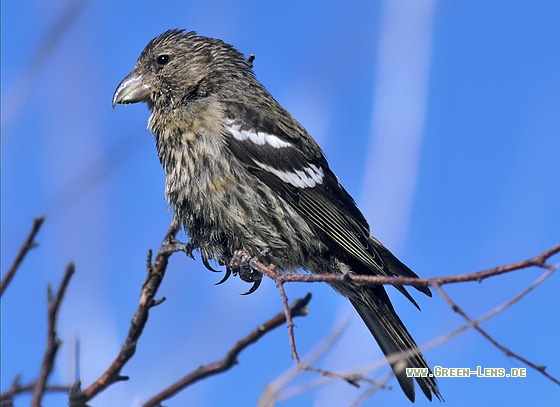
{"x":256,"y":285}
{"x":223,"y":280}
{"x":187,"y":248}
{"x":208,"y":266}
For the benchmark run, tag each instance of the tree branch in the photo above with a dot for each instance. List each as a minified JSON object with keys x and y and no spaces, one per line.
{"x":27,"y":245}
{"x":17,"y":388}
{"x":297,"y":308}
{"x":444,"y":338}
{"x":155,"y":274}
{"x":537,"y":261}
{"x":506,"y":351}
{"x":275,"y":392}
{"x":289,"y":321}
{"x":53,"y":342}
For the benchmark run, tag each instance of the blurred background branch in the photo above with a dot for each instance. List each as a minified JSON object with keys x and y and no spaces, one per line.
{"x":19,"y":90}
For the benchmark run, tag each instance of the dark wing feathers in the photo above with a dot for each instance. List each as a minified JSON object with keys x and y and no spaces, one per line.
{"x":326,"y":205}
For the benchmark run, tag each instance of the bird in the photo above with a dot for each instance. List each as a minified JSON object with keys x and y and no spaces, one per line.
{"x":245,"y":179}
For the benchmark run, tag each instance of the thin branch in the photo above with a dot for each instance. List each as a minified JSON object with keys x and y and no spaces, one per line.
{"x":381,"y":384}
{"x":289,"y":322}
{"x":19,"y":91}
{"x":277,"y":391}
{"x":155,"y":274}
{"x":27,"y":245}
{"x":53,"y":342}
{"x":446,"y":337}
{"x":296,"y":309}
{"x":500,"y":308}
{"x":537,"y":261}
{"x":506,"y":351}
{"x":352,"y":379}
{"x":18,"y":389}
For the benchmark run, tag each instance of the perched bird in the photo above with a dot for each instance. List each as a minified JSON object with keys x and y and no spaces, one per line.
{"x":243,"y":176}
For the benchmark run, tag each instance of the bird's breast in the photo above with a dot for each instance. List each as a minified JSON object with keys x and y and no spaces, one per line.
{"x":224,"y":207}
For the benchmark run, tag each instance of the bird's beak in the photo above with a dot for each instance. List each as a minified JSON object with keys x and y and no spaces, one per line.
{"x":134,"y":88}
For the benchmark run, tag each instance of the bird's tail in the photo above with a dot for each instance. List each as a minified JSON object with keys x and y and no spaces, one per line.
{"x":373,"y":305}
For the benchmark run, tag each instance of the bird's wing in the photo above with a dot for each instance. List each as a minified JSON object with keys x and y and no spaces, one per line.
{"x":296,"y":169}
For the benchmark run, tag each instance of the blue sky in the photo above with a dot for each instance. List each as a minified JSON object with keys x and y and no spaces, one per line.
{"x":440,"y":118}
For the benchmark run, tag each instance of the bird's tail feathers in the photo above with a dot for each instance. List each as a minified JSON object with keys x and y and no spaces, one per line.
{"x":395,"y":342}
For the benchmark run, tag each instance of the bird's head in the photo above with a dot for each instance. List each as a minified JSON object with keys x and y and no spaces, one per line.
{"x":178,"y":67}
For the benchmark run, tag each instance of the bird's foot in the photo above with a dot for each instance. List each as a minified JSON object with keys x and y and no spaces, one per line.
{"x":239,"y":260}
{"x":239,"y":264}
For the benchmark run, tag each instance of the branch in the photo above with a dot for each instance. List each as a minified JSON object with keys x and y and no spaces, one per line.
{"x":537,"y":261}
{"x":352,"y":379}
{"x":376,"y":385}
{"x":276,"y":390}
{"x":444,"y":338}
{"x":156,"y":272}
{"x":27,"y":245}
{"x":506,"y":351}
{"x":23,"y":84}
{"x":53,"y":342}
{"x":289,"y":321}
{"x":17,"y":388}
{"x":297,"y":308}
{"x":291,"y":392}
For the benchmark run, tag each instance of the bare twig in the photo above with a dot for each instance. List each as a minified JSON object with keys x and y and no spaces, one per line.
{"x":19,"y":91}
{"x":297,"y":308}
{"x":289,"y":321}
{"x":156,"y":272}
{"x":53,"y":342}
{"x":17,"y":388}
{"x":537,"y":261}
{"x":352,"y":379}
{"x":28,"y":388}
{"x":277,"y":390}
{"x":506,"y":351}
{"x":27,"y":245}
{"x":444,"y":338}
{"x":375,"y":385}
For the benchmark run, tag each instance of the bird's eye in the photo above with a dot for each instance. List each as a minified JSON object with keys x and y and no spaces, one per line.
{"x":162,"y":59}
